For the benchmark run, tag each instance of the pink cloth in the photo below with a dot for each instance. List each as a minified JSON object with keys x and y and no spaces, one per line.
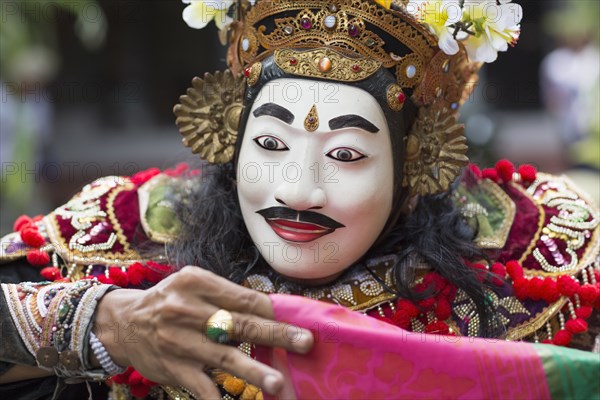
{"x":359,"y":357}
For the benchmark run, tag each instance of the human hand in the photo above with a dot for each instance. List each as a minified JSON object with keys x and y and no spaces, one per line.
{"x":170,"y":346}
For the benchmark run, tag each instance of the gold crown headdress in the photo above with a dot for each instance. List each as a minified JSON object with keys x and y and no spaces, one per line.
{"x":348,"y":41}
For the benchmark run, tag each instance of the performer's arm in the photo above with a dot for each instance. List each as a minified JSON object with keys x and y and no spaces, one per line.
{"x":166,"y":322}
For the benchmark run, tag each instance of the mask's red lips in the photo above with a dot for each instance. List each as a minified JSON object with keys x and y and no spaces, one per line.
{"x":296,"y":231}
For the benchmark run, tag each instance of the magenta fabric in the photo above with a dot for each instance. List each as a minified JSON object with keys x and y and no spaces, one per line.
{"x":359,"y":357}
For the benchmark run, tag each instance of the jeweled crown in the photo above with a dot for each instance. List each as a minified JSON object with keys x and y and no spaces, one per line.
{"x":360,"y":35}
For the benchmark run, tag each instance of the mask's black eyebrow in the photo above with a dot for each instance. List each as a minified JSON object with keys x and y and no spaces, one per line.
{"x":352,"y":120}
{"x":274,"y":110}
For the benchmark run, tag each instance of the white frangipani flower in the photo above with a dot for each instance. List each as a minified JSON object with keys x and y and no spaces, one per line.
{"x":439,"y":15}
{"x":199,"y":13}
{"x":496,"y":26}
{"x":484,"y":26}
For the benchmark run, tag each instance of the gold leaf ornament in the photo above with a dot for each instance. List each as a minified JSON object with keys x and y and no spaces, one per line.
{"x":208,"y":115}
{"x":435,"y":151}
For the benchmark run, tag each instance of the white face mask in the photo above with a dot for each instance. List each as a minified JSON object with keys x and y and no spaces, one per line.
{"x":339,"y":176}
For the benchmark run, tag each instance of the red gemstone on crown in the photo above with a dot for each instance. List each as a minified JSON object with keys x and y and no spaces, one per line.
{"x":305,"y":23}
{"x":247,"y":71}
{"x":353,"y":30}
{"x":293,"y":61}
{"x":356,"y":68}
{"x":401,"y":97}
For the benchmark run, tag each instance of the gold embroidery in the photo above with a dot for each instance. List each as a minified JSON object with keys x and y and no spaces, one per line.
{"x":531,"y":325}
{"x":86,"y":216}
{"x":575,"y":222}
{"x":468,"y":312}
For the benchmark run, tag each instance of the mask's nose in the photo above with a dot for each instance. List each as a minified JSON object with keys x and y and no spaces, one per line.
{"x":300,"y":189}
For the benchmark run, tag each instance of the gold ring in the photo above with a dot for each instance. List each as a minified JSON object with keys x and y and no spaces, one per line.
{"x":219,"y":326}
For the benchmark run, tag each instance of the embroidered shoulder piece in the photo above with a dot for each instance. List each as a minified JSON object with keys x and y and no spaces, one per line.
{"x":99,"y":226}
{"x":556,"y":230}
{"x":552,"y":259}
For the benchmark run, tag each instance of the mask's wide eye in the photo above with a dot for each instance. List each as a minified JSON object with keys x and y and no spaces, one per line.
{"x":271,"y":143}
{"x":345,"y":154}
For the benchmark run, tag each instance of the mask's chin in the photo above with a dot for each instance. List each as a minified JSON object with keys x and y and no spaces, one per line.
{"x":313,"y":281}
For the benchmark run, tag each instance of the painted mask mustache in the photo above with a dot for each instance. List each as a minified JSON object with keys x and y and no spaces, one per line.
{"x":307,"y":217}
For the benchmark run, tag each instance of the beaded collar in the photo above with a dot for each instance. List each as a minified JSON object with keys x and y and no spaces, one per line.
{"x":358,"y":289}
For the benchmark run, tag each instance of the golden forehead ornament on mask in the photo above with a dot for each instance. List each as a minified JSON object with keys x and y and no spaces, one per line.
{"x":344,"y":41}
{"x":311,"y":122}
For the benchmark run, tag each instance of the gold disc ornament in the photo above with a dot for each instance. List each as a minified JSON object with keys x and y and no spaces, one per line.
{"x":208,"y":115}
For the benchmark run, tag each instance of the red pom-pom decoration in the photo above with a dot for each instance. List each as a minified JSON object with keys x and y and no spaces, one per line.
{"x":148,"y":382}
{"x":135,"y":378}
{"x":505,"y":170}
{"x":135,"y":273}
{"x":427,"y":303}
{"x":535,"y":288}
{"x":177,"y":171}
{"x":514,"y":269}
{"x":438,"y":327}
{"x":104,"y":279}
{"x":584,"y":312}
{"x":155,"y":272}
{"x":411,"y":310}
{"x":567,"y":286}
{"x":443,"y":309}
{"x":576,"y":325}
{"x":550,"y":290}
{"x":37,"y":218}
{"x":562,"y":338}
{"x":449,"y":292}
{"x":123,"y":378}
{"x":520,"y":289}
{"x":588,"y":293}
{"x":480,"y":271}
{"x":144,"y":176}
{"x":21,"y":222}
{"x":420,"y":287}
{"x":528,"y":173}
{"x":475,"y":170}
{"x":51,"y":273}
{"x":435,"y":280}
{"x":118,"y":277}
{"x":401,"y":319}
{"x":37,"y":257}
{"x":491,"y":174}
{"x":500,"y":271}
{"x":32,"y":237}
